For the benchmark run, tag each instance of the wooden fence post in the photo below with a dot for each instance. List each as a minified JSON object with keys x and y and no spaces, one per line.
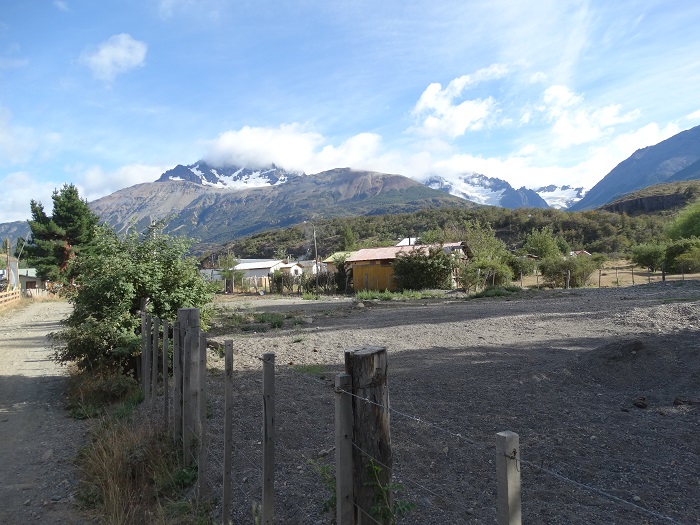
{"x":268,"y":481}
{"x":632,"y":275}
{"x":201,"y":426}
{"x":147,"y":359}
{"x":177,"y":383}
{"x":372,"y":460}
{"x":345,"y":508}
{"x":188,"y":328}
{"x":508,"y":478}
{"x":617,"y":278}
{"x":142,"y":361}
{"x":166,"y":386}
{"x":187,"y":431}
{"x":228,"y":430}
{"x":154,"y":358}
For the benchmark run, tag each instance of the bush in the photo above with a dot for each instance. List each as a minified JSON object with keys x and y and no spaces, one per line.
{"x":102,"y":333}
{"x":421,"y":269}
{"x":649,"y":255}
{"x":681,"y":252}
{"x":479,"y":273}
{"x":556,"y":271}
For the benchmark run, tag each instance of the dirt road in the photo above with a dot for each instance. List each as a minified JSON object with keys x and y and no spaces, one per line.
{"x":38,"y":478}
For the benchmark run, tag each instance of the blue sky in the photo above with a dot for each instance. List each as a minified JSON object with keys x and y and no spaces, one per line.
{"x":106,"y":94}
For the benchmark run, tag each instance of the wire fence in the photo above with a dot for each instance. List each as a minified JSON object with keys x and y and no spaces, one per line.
{"x":440,"y":471}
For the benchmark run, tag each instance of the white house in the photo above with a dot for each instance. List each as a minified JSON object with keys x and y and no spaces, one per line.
{"x":258,"y":268}
{"x":293,"y":268}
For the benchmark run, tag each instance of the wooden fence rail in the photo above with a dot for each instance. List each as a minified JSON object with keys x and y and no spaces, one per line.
{"x":10,"y":297}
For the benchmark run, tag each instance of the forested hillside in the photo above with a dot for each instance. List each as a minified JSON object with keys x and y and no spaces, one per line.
{"x":595,"y":231}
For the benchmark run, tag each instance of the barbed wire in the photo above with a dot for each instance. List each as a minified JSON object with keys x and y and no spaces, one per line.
{"x":595,"y":490}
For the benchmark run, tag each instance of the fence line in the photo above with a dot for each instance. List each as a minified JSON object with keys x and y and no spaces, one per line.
{"x":10,"y":297}
{"x":193,"y":356}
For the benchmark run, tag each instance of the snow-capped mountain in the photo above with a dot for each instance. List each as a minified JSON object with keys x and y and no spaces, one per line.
{"x":561,"y":197}
{"x":230,"y":177}
{"x":487,"y":190}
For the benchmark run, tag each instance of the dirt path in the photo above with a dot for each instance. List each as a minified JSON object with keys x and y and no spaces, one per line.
{"x":37,"y":475}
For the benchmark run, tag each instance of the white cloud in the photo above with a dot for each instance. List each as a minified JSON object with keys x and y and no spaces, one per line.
{"x":440,"y":116}
{"x":18,"y":189}
{"x":16,"y":143}
{"x":695,"y":115}
{"x":94,"y":182}
{"x":60,"y":5}
{"x":574,"y":123}
{"x":117,"y":55}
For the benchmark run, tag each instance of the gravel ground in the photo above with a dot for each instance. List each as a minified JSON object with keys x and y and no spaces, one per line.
{"x":38,"y":479}
{"x":601,"y":385}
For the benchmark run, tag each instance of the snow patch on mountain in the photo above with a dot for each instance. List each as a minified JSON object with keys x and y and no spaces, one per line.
{"x":561,"y":197}
{"x":228,"y":177}
{"x":471,"y":186}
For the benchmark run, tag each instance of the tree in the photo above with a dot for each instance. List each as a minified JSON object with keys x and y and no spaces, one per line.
{"x":226,"y":265}
{"x":575,"y":271}
{"x":349,"y":238}
{"x":57,"y":239}
{"x":687,"y":224}
{"x":420,"y":269}
{"x":649,"y":255}
{"x":542,"y":243}
{"x":343,"y":272}
{"x":101,"y":333}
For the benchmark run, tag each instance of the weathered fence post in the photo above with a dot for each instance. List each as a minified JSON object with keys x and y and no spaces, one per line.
{"x":617,"y":278}
{"x":228,"y":430}
{"x":632,"y":275}
{"x":187,"y":431}
{"x":345,"y":509}
{"x":508,"y":478}
{"x":187,"y":337}
{"x":177,"y":383}
{"x":599,"y":275}
{"x":141,"y":363}
{"x":268,"y":488}
{"x":201,"y":427}
{"x":147,"y":359}
{"x":154,"y":358}
{"x":166,"y":386}
{"x":372,"y":460}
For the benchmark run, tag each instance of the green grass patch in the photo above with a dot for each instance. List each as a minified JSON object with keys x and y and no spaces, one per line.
{"x":496,"y":291}
{"x":307,"y":296}
{"x":386,"y":295}
{"x":311,"y":369}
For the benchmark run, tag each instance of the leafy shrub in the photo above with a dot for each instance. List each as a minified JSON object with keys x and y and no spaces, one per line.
{"x":102,"y":332}
{"x":682,"y":251}
{"x":479,"y":273}
{"x":577,"y":270}
{"x":650,"y":255}
{"x":421,"y":269}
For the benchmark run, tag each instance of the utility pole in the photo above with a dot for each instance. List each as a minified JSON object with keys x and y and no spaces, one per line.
{"x":316,"y":267}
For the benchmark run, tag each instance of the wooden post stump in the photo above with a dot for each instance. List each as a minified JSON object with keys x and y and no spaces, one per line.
{"x":508,"y":478}
{"x":372,"y":460}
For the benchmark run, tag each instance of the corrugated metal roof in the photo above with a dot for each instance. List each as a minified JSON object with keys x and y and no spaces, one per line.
{"x":256,"y":265}
{"x":391,"y":252}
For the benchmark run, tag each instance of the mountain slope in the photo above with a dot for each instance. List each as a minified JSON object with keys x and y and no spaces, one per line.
{"x":665,"y":197}
{"x":213,"y":214}
{"x":645,"y":167}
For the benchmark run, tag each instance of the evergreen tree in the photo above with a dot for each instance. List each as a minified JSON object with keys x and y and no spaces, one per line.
{"x":57,"y":239}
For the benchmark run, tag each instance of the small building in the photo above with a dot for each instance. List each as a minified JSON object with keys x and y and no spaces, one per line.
{"x":372,"y":267}
{"x":312,"y":267}
{"x":258,"y":268}
{"x":292,"y":268}
{"x":28,"y":280}
{"x":330,"y":261}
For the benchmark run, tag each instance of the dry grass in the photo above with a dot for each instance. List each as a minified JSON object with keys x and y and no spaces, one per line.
{"x":131,"y":475}
{"x":620,"y":272}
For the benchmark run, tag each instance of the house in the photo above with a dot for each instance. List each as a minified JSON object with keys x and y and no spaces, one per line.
{"x":292,"y":268}
{"x":258,"y":268}
{"x":28,"y":281}
{"x":313,"y":267}
{"x":579,"y":253}
{"x":330,"y":261}
{"x":372,"y":267}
